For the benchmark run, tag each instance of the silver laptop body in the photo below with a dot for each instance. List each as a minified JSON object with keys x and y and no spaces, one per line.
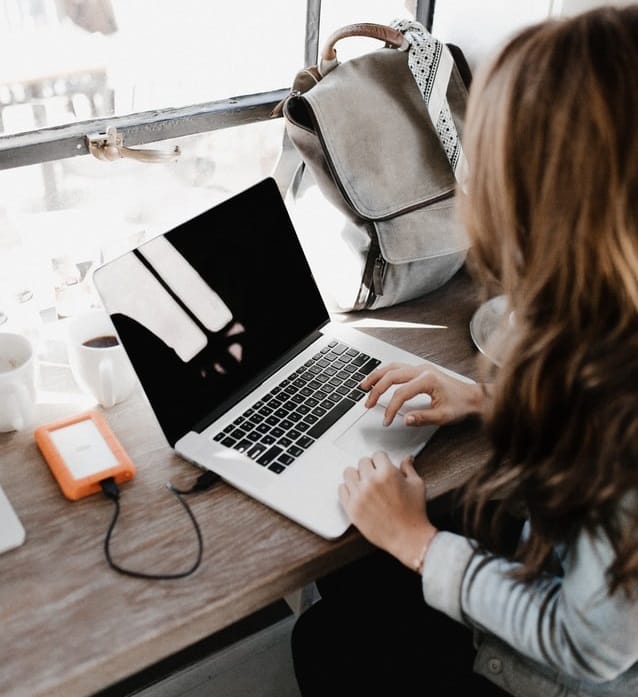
{"x":241,"y":364}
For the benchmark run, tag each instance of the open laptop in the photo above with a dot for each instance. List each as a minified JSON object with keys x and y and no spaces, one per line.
{"x":246,"y":374}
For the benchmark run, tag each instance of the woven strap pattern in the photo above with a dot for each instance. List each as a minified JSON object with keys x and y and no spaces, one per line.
{"x":431,"y":63}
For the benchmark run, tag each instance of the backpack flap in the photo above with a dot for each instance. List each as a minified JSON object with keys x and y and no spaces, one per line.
{"x":375,"y":134}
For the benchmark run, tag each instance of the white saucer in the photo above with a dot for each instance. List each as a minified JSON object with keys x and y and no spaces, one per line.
{"x":487,"y":326}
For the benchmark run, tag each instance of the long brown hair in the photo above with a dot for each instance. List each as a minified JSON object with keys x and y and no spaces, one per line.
{"x":551,"y":206}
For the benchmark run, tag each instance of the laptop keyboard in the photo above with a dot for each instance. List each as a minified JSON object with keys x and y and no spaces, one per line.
{"x":283,"y":424}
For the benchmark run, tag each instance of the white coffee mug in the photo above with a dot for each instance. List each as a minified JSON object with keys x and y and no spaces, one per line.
{"x":99,"y":362}
{"x":17,"y":382}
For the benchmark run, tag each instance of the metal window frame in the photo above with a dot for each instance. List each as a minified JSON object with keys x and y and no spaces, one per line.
{"x":55,"y":143}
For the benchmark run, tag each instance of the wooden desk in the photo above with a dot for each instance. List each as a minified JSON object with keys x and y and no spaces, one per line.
{"x":71,"y":626}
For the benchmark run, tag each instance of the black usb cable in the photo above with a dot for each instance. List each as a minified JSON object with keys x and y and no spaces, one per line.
{"x":205,"y":481}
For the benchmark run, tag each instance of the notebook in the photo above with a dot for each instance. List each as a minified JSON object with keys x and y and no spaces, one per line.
{"x":239,"y":359}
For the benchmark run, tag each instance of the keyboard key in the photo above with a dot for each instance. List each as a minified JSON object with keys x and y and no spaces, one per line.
{"x":286,"y":459}
{"x":331,"y":418}
{"x":219,"y":436}
{"x":277,"y":467}
{"x":285,"y":442}
{"x":256,"y":450}
{"x":357,"y":394}
{"x":369,"y":366}
{"x":244,"y":445}
{"x":328,"y":404}
{"x":294,"y":433}
{"x":295,"y":451}
{"x":269,"y":456}
{"x":237,"y":434}
{"x":305,"y":442}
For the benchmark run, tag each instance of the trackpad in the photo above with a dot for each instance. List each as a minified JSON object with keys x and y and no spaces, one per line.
{"x":368,"y":434}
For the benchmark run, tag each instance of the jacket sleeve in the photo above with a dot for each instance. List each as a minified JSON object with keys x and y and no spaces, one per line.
{"x":569,"y":623}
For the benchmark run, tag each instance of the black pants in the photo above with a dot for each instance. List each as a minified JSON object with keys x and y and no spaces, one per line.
{"x":373,"y":634}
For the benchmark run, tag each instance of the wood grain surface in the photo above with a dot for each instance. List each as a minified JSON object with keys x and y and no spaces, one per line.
{"x":71,"y":626}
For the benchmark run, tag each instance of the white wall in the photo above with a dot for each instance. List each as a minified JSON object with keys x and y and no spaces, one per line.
{"x":480,"y":27}
{"x":572,"y":7}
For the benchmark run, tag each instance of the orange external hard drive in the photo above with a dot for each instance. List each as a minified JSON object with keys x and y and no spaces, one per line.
{"x":81,"y":451}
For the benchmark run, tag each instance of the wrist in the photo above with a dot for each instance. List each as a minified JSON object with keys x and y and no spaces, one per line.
{"x":480,"y":398}
{"x":419,"y":549}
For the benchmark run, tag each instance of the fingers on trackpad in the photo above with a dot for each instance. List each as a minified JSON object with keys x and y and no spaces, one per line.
{"x":368,"y":435}
{"x":416,"y":403}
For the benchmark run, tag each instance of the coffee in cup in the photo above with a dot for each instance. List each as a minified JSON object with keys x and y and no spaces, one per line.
{"x":99,"y":363}
{"x":104,"y":341}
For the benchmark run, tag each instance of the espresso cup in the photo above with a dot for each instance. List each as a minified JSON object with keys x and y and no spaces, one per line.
{"x":17,"y":382}
{"x":98,"y":361}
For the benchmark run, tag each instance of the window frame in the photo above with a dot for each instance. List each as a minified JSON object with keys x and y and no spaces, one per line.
{"x":70,"y":140}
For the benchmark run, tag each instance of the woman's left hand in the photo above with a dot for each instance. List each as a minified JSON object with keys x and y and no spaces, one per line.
{"x":387,"y":505}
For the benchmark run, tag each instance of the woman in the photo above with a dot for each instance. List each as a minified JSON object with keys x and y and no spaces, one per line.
{"x":551,"y":206}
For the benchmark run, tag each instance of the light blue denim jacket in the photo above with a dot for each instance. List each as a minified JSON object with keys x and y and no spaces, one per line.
{"x":560,"y":636}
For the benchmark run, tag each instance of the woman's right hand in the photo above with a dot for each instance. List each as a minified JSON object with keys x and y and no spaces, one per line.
{"x":452,"y":400}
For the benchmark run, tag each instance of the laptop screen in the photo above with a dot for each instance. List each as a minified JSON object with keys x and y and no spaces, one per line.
{"x":205,"y":310}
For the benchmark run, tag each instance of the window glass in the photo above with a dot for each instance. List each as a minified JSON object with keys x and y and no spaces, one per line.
{"x":336,"y":14}
{"x":58,"y":220}
{"x":63,"y":61}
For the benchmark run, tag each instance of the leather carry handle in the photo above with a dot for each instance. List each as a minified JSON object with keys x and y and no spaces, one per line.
{"x":308,"y":77}
{"x":392,"y":38}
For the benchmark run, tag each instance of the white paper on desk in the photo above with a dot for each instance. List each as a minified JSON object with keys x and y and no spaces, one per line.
{"x":12,"y":533}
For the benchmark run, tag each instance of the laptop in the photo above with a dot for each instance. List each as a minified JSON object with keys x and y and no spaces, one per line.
{"x":245,"y":371}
